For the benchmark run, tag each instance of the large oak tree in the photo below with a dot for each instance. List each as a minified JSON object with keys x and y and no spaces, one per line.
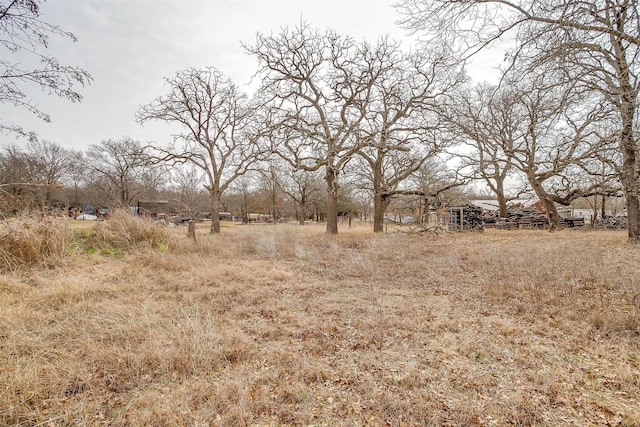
{"x":401,"y":126}
{"x":217,"y":129}
{"x":317,"y":84}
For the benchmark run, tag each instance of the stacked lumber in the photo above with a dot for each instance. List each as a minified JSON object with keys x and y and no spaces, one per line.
{"x":472,"y":218}
{"x":612,"y":222}
{"x":506,"y":224}
{"x":520,"y":217}
{"x":571,"y":222}
{"x":490,"y":218}
{"x":523,"y":218}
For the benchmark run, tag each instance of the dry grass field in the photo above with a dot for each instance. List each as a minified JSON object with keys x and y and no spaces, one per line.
{"x":130,"y":325}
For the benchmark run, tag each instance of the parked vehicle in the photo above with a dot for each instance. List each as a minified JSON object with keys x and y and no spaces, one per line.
{"x":86,"y":217}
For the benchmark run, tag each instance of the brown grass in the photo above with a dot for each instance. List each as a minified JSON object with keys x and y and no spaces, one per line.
{"x":282,"y":325}
{"x":28,"y":241}
{"x":126,"y":232}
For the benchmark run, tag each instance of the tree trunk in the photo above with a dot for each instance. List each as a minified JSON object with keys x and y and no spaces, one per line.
{"x":552,"y":214}
{"x":594,"y":210}
{"x":630,"y":183}
{"x":332,"y":202}
{"x":378,"y":213}
{"x":215,"y":212}
{"x":378,"y":199}
{"x":502,"y":203}
{"x":630,"y":175}
{"x":301,"y":214}
{"x":549,"y":205}
{"x":332,"y":213}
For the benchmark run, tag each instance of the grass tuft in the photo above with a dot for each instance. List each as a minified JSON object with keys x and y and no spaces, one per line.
{"x":28,"y":241}
{"x":123,"y":232}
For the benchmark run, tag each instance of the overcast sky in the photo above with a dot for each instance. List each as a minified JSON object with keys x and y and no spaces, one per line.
{"x":130,"y":46}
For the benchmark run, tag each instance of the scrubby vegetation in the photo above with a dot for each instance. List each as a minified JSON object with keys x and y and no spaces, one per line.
{"x":284,"y":325}
{"x":36,"y":240}
{"x":29,"y":241}
{"x":125,"y":232}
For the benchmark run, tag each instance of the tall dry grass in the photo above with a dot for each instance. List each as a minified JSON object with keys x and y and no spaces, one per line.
{"x":287,"y":326}
{"x":32,"y":240}
{"x":127,"y":232}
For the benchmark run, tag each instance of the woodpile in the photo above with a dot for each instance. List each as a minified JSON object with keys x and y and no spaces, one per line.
{"x":523,"y":218}
{"x":474,"y":218}
{"x":571,"y":222}
{"x":612,"y":222}
{"x":465,"y":218}
{"x":490,"y":218}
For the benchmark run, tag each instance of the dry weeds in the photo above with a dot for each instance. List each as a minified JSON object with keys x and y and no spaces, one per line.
{"x":127,"y":232}
{"x":286,"y":326}
{"x":28,"y":241}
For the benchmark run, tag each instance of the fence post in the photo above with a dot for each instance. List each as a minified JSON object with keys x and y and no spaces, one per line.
{"x":191,"y":231}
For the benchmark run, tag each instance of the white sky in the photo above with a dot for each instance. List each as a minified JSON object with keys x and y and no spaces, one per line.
{"x":130,"y":46}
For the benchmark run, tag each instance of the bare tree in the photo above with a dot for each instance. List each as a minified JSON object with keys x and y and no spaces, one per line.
{"x":17,"y":188}
{"x":364,"y":201}
{"x":318,"y":84}
{"x":243,"y":187}
{"x":218,"y":134}
{"x":401,"y":127}
{"x":437,"y":183}
{"x":16,"y":171}
{"x":301,"y":187}
{"x":385,"y":168}
{"x":596,"y":44}
{"x":50,"y":162}
{"x":554,"y":137}
{"x":601,"y":174}
{"x":270,"y":180}
{"x":483,"y":118}
{"x":77,"y":174}
{"x":22,"y":30}
{"x":189,"y":182}
{"x":118,"y":169}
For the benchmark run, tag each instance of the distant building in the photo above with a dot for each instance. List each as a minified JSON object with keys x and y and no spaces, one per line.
{"x":586,"y":214}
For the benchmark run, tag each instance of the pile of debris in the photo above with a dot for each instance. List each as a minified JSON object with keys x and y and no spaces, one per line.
{"x":523,"y":218}
{"x":612,"y":222}
{"x":465,"y":218}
